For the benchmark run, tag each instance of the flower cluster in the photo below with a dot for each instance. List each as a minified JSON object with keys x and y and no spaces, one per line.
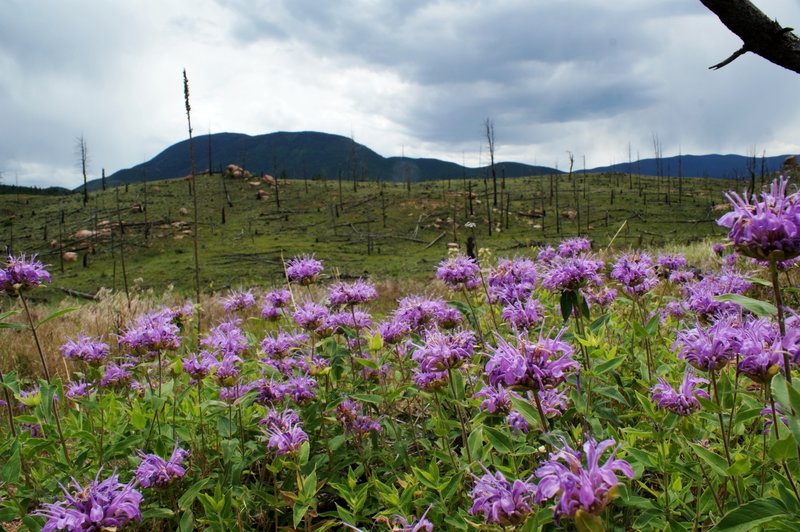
{"x":635,"y":272}
{"x":155,"y":472}
{"x":532,"y":366}
{"x":459,"y":272}
{"x":284,"y":431}
{"x":765,"y":229}
{"x":240,"y":300}
{"x":684,"y":401}
{"x":348,"y":294}
{"x":152,"y":332}
{"x":356,"y":424}
{"x":85,"y":348}
{"x":102,"y":505}
{"x":22,"y":273}
{"x":303,"y":270}
{"x":588,"y":488}
{"x":500,"y":501}
{"x":444,"y":351}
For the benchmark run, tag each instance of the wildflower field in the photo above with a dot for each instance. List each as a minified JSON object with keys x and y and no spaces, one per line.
{"x":562,"y":388}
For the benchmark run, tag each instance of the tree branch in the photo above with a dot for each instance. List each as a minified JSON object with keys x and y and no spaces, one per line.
{"x":760,"y":34}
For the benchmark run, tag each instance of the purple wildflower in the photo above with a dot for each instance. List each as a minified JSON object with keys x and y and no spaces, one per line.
{"x":768,"y":229}
{"x":700,"y":295}
{"x":495,"y":399}
{"x":603,"y":298}
{"x":718,"y":248}
{"x":589,"y":488}
{"x":669,"y":263}
{"x":310,"y":315}
{"x":198,"y":367}
{"x":21,"y":273}
{"x":419,"y":313}
{"x":226,"y":337}
{"x":302,"y":389}
{"x":231,"y":394}
{"x":761,"y":348}
{"x":392,"y":331}
{"x":684,"y":401}
{"x":239,"y":300}
{"x":284,"y":432}
{"x":348,"y":294}
{"x":444,"y":351}
{"x":355,"y":423}
{"x":76,"y":390}
{"x":430,"y":381}
{"x":635,"y":272}
{"x":155,"y":472}
{"x":572,"y":274}
{"x":85,"y":348}
{"x":278,"y":298}
{"x":106,"y":505}
{"x":459,"y":272}
{"x":226,"y":371}
{"x":546,"y":255}
{"x":573,"y":247}
{"x":152,"y":332}
{"x":303,"y":270}
{"x":517,"y":422}
{"x":532,"y":366}
{"x":281,"y":345}
{"x":524,"y":314}
{"x":415,"y":525}
{"x":708,"y":348}
{"x":269,"y":392}
{"x":512,"y":280}
{"x":500,"y":501}
{"x":116,"y":374}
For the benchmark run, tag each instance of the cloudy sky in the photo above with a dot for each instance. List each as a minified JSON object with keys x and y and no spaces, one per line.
{"x":591,"y":77}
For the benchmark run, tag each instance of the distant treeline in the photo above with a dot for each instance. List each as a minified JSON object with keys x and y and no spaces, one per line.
{"x":49,"y":191}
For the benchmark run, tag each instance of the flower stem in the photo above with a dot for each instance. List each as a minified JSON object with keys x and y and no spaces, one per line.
{"x":46,"y":376}
{"x":723,"y":434}
{"x":776,"y":290}
{"x":460,"y":414}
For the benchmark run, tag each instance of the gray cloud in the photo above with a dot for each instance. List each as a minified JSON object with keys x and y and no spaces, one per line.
{"x":589,"y":76}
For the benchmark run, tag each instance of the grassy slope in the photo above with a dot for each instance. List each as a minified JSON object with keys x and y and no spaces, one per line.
{"x":347,"y":232}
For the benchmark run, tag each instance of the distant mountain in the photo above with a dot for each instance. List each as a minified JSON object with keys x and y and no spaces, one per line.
{"x":721,"y":166}
{"x":316,"y":155}
{"x":298,"y":155}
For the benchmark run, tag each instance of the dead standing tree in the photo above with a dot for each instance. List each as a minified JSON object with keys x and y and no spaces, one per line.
{"x":489,"y":124}
{"x":759,"y":33}
{"x":83,"y":159}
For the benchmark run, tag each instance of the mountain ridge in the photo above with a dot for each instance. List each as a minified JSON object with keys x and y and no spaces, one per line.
{"x":312,"y":154}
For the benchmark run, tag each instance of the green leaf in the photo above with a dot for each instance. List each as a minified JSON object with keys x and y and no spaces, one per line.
{"x":500,"y":441}
{"x":714,"y":460}
{"x":586,"y":522}
{"x":56,"y":314}
{"x":783,"y":449}
{"x":475,"y":441}
{"x":188,"y":497}
{"x":528,"y":411}
{"x":608,"y":365}
{"x":750,"y":515}
{"x":762,"y":309}
{"x":157,"y":513}
{"x":310,"y":486}
{"x":187,"y":521}
{"x":298,"y":512}
{"x":12,"y":325}
{"x":567,"y":302}
{"x":12,"y":468}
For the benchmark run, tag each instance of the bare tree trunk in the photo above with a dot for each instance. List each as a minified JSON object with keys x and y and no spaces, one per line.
{"x":760,"y":34}
{"x":490,"y":140}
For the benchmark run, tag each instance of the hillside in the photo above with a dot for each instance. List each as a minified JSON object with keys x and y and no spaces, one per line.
{"x":315,"y":155}
{"x":387,"y":230}
{"x":300,"y":155}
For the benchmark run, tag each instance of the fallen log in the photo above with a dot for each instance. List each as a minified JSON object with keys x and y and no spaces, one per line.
{"x":76,"y":293}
